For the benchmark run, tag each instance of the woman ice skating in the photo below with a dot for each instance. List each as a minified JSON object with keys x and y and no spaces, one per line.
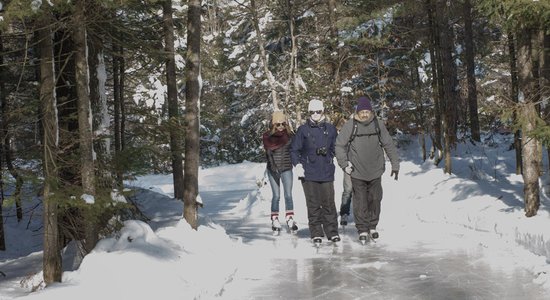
{"x":277,"y":142}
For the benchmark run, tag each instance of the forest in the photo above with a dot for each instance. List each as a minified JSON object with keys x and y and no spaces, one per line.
{"x":96,"y":92}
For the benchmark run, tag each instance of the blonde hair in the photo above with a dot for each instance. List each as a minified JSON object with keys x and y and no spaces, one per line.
{"x":287,"y":128}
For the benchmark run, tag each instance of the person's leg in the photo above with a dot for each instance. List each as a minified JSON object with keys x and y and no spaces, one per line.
{"x":346,"y":195}
{"x":360,"y":205}
{"x":276,"y":194}
{"x":311,"y":191}
{"x":330,"y":216}
{"x":286,"y":179}
{"x":374,"y":199}
{"x":346,"y":200}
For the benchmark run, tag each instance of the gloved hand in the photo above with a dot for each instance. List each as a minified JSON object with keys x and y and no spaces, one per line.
{"x":299,"y":171}
{"x":349,"y":168}
{"x":396,"y":173}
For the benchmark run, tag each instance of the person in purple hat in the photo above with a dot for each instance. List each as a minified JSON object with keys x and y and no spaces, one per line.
{"x":360,"y":148}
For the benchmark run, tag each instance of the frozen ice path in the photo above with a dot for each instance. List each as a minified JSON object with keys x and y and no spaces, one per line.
{"x":401,"y":265}
{"x":372,"y":272}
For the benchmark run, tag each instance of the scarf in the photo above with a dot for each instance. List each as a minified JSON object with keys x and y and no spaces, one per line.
{"x":275,"y":140}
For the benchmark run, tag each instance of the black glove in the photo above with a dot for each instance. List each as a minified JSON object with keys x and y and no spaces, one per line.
{"x":396,"y":173}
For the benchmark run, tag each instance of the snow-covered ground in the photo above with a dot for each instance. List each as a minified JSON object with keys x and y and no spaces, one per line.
{"x":166,"y":259}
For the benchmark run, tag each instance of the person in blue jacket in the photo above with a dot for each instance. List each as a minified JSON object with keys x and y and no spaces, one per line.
{"x":312,"y":154}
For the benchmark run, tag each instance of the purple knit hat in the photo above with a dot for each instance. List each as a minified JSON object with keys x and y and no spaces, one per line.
{"x":363,"y":103}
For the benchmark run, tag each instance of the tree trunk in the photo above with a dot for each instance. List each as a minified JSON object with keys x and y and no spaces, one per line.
{"x":84,"y":107}
{"x":100,"y":111}
{"x":545,"y":77}
{"x":445,"y":83}
{"x":528,"y":117}
{"x":192,"y":107}
{"x":117,"y":114}
{"x":263,"y":55}
{"x":2,"y":140}
{"x":174,"y":124}
{"x":122,"y":82}
{"x":334,"y":54}
{"x":291,"y":83}
{"x":436,"y":82}
{"x":470,"y":71}
{"x":2,"y":235}
{"x":416,"y":83}
{"x":52,"y":254}
{"x":84,"y":118}
{"x":515,"y":99}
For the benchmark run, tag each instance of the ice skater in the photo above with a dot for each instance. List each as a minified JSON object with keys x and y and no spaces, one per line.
{"x":360,"y":148}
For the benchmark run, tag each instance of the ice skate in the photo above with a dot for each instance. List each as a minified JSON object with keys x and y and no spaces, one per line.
{"x":275,"y":226}
{"x":317,"y":241}
{"x":292,"y":227}
{"x":363,"y":237}
{"x":335,"y":240}
{"x":344,"y":220}
{"x":373,"y":234}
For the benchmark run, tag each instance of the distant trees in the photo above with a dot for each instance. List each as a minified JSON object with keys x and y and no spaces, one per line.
{"x":527,"y":22}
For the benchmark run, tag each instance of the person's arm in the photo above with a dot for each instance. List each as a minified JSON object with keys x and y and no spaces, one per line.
{"x":296,"y":147}
{"x":389,"y":146}
{"x":341,"y":146}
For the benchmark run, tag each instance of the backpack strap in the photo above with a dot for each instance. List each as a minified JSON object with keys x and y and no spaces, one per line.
{"x":354,"y":131}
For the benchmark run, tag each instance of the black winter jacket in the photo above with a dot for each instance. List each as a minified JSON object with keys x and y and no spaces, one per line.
{"x":278,"y":160}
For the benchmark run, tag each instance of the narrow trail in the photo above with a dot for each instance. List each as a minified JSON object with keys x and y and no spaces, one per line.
{"x":419,"y":268}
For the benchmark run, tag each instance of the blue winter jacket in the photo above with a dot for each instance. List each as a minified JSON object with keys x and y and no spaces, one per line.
{"x":310,"y":137}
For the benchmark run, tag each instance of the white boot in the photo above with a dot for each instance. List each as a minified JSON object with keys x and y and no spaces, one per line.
{"x":292,"y":226}
{"x":275,"y":224}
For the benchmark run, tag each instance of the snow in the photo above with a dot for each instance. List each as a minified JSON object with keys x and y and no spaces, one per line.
{"x":479,"y":206}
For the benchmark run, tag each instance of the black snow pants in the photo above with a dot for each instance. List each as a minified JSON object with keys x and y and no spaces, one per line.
{"x":367,"y":198}
{"x":321,"y":209}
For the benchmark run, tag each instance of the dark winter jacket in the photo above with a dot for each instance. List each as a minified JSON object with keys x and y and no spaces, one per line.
{"x":307,"y":149}
{"x":278,"y":160}
{"x":366,"y":151}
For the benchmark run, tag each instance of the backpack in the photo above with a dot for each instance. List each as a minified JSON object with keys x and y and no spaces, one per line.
{"x":354,"y":132}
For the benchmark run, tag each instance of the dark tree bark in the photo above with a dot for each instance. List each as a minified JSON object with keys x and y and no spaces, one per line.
{"x":174,"y":124}
{"x":84,"y":118}
{"x":334,"y":54}
{"x":515,"y":99}
{"x":437,"y":91}
{"x":192,"y":96}
{"x":528,"y":116}
{"x":545,"y":76}
{"x":118,"y":118}
{"x":449,"y":81}
{"x":470,"y":71}
{"x":2,"y":141}
{"x":82,"y":90}
{"x":100,"y":112}
{"x":52,"y":254}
